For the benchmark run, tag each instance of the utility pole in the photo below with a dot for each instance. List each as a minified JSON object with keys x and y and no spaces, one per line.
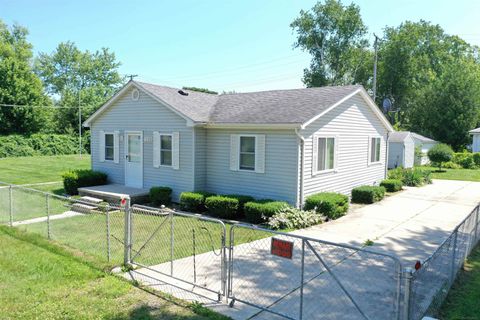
{"x":79,"y":124}
{"x":375,"y":68}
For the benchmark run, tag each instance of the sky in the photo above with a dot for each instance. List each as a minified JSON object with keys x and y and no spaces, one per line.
{"x":242,"y":45}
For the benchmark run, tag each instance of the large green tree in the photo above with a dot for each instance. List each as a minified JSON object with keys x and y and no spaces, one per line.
{"x":335,"y":36}
{"x":19,"y":85}
{"x":69,"y":73}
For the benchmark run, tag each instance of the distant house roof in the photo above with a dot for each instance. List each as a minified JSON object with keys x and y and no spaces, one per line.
{"x":286,"y":107}
{"x":400,"y":136}
{"x":475,"y":130}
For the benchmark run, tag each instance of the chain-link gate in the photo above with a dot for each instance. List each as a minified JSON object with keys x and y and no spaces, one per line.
{"x":302,"y":278}
{"x":185,"y":247}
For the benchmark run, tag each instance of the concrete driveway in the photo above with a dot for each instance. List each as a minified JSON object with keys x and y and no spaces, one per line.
{"x":409,"y":225}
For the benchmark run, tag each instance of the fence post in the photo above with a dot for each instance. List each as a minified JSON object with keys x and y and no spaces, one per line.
{"x":127,"y":240}
{"x":107,"y":216}
{"x":454,"y":256}
{"x":475,"y":236}
{"x":302,"y":276}
{"x":407,"y":294}
{"x":10,"y":199}
{"x":172,"y":242}
{"x":47,"y":207}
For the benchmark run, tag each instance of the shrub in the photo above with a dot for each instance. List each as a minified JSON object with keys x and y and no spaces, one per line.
{"x":242,"y":199}
{"x":74,"y":179}
{"x":161,"y":195}
{"x":292,"y":218}
{"x":40,"y":144}
{"x":260,"y":210}
{"x":451,"y":165}
{"x":392,"y":185}
{"x":193,"y":201}
{"x":476,"y":158}
{"x":464,"y":159}
{"x":412,"y":177}
{"x":330,"y":204}
{"x":221,"y":206}
{"x":439,"y":154}
{"x":367,"y":194}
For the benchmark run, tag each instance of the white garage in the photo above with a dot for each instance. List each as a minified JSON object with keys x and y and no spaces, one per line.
{"x":401,"y":149}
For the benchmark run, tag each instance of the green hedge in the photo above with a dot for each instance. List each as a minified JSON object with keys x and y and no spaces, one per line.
{"x":222,"y":207}
{"x":392,"y":185}
{"x":74,"y":179}
{"x":40,"y":145}
{"x":367,"y":194}
{"x":467,"y":160}
{"x":161,"y":195}
{"x":260,"y":210}
{"x":330,"y":204}
{"x":242,"y":199}
{"x":193,"y":201}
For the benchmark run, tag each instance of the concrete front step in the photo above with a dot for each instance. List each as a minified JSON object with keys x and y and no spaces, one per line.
{"x":83,"y":208}
{"x":92,"y":200}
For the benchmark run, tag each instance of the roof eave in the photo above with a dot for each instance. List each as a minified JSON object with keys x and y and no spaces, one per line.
{"x":230,"y":125}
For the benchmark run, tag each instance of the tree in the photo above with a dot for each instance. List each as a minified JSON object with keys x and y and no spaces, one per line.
{"x":410,"y":57}
{"x":334,"y":35}
{"x":451,"y":104}
{"x":69,"y":72}
{"x":19,"y":85}
{"x":439,"y":154}
{"x":203,"y":90}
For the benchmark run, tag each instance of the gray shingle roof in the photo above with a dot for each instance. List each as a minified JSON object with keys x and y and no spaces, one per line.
{"x":398,"y":136}
{"x":422,"y":138}
{"x":475,"y":130}
{"x":265,"y":107}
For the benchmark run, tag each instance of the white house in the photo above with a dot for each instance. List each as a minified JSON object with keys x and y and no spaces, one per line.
{"x":476,"y":139}
{"x":280,"y":144}
{"x":401,"y":149}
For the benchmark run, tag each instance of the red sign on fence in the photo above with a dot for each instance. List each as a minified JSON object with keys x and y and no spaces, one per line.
{"x":282,"y":248}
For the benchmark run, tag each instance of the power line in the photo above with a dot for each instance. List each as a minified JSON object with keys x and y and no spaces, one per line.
{"x":35,"y":106}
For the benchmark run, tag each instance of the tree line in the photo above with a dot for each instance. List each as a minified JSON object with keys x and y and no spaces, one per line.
{"x":433,"y":78}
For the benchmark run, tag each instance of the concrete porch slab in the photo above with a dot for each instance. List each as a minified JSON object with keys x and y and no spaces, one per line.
{"x":114,"y":191}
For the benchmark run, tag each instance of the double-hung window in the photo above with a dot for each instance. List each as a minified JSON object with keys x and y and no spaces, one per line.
{"x":325,"y":153}
{"x":375,"y":144}
{"x":166,"y":150}
{"x":109,"y":146}
{"x":247,"y":153}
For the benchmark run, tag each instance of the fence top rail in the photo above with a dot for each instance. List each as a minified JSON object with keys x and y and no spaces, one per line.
{"x":446,"y":240}
{"x":346,"y":246}
{"x":199,"y":217}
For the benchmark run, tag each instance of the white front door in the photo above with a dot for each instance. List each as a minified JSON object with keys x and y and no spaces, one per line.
{"x":134,"y":159}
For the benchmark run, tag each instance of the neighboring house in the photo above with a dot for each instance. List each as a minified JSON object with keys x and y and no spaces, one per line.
{"x":424,"y":144}
{"x":476,"y":139}
{"x":282,"y":144}
{"x":401,"y":149}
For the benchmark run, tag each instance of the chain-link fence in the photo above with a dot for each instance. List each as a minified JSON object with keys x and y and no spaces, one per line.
{"x":301,"y":278}
{"x":429,"y":285}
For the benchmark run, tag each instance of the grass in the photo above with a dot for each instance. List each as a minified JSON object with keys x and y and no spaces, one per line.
{"x":463,"y":299}
{"x":88,"y":234}
{"x":456,"y":174}
{"x":40,"y":280}
{"x":23,"y":170}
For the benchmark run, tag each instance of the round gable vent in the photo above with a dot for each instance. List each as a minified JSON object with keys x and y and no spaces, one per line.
{"x":135,"y":94}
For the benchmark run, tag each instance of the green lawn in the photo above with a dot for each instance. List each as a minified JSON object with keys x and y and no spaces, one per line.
{"x":88,"y":234}
{"x":25,"y":170}
{"x":463,"y":300}
{"x":40,"y":280}
{"x":456,"y":174}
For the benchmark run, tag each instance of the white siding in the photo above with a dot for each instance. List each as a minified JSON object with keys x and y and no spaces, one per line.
{"x":409,"y":157}
{"x":353,"y":123}
{"x":395,"y":154}
{"x":281,"y":166}
{"x":145,"y":115}
{"x":476,"y":143}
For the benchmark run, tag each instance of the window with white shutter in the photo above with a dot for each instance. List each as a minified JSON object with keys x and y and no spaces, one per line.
{"x":247,"y":153}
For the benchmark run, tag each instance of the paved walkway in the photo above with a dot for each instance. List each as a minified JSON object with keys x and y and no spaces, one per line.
{"x":409,"y":225}
{"x":67,"y":214}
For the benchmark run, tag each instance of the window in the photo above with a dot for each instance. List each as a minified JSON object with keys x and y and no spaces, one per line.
{"x":326,"y":153}
{"x":165,"y":150}
{"x":109,"y":146}
{"x":375,"y":150}
{"x":247,"y":153}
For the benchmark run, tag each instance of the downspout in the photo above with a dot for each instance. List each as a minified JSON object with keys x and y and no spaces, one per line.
{"x":386,"y":155}
{"x":302,"y":156}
